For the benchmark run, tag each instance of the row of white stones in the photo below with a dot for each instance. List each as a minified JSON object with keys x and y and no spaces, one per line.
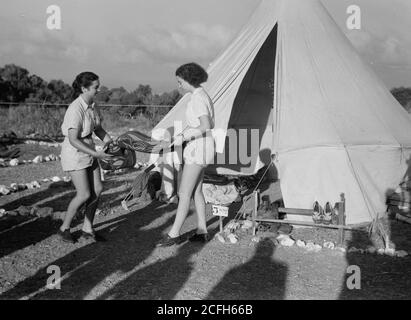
{"x":230,"y":229}
{"x":38,"y":159}
{"x":15,"y":187}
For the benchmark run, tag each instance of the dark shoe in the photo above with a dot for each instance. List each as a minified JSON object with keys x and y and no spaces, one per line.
{"x":328,"y":214}
{"x":65,"y":236}
{"x":167,"y":241}
{"x":204,"y":237}
{"x":95,"y":236}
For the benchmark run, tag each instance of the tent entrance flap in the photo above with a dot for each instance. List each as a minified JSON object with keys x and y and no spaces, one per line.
{"x":249,"y":133}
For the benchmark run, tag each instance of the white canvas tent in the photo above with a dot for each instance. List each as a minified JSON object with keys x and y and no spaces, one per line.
{"x":331,"y":123}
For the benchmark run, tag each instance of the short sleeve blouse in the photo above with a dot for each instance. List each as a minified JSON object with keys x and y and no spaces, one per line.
{"x":200,"y":104}
{"x":81,"y":116}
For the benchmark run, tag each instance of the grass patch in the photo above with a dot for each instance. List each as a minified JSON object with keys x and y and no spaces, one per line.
{"x":46,"y":121}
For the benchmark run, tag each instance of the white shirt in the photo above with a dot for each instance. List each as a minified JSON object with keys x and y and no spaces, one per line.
{"x":199,"y":105}
{"x":81,"y":116}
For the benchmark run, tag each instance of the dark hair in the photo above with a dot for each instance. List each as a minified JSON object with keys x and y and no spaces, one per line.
{"x":193,"y":73}
{"x":84,"y":79}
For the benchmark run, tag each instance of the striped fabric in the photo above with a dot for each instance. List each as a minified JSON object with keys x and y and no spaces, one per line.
{"x":137,"y":141}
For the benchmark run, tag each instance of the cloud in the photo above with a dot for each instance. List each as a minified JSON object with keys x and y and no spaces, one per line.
{"x":382,"y":49}
{"x":39,"y":42}
{"x":194,"y":42}
{"x":77,"y":53}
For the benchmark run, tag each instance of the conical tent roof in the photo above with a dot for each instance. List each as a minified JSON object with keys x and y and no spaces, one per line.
{"x":333,"y":126}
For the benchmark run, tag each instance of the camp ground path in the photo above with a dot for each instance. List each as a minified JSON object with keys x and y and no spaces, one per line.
{"x":130,"y":266}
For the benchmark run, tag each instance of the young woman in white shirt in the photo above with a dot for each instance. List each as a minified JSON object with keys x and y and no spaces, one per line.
{"x":79,"y":156}
{"x":198,"y":152}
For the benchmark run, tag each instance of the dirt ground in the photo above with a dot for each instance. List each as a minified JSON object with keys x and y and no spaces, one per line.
{"x":130,"y":266}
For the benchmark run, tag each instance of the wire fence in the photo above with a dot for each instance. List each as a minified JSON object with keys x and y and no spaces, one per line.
{"x":102,"y":105}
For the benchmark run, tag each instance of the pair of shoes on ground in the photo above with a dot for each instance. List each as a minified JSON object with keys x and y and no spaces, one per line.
{"x":167,"y":241}
{"x":66,"y":236}
{"x":324,"y":215}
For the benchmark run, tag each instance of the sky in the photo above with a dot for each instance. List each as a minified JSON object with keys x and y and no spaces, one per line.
{"x":132,"y":42}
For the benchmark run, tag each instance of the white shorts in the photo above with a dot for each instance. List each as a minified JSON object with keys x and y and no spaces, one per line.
{"x":73,"y":159}
{"x":200,"y":151}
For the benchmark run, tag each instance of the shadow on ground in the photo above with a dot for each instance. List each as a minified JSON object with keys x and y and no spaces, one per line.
{"x":259,"y":279}
{"x":382,"y":277}
{"x":40,"y":229}
{"x":87,"y":266}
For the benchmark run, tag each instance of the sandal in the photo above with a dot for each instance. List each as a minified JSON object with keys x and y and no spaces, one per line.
{"x":167,"y":241}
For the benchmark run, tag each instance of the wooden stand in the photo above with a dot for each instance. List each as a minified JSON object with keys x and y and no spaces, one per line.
{"x":341,"y":227}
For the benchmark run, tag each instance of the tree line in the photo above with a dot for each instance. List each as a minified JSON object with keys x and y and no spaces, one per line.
{"x":17,"y":85}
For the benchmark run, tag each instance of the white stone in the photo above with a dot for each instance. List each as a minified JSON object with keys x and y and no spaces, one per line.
{"x":371,"y":250}
{"x":4,"y":190}
{"x":47,"y":159}
{"x":233,"y":239}
{"x":38,"y":159}
{"x":2,"y":160}
{"x":14,"y":187}
{"x":329,"y":245}
{"x":401,"y":253}
{"x":46,"y":180}
{"x":66,"y":179}
{"x":14,"y":162}
{"x":30,"y":186}
{"x":300,"y":244}
{"x":35,"y":184}
{"x":381,"y":251}
{"x":287,"y":242}
{"x":2,"y":212}
{"x":313,"y":247}
{"x":56,"y":179}
{"x":389,"y":252}
{"x":256,"y":239}
{"x":317,"y":247}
